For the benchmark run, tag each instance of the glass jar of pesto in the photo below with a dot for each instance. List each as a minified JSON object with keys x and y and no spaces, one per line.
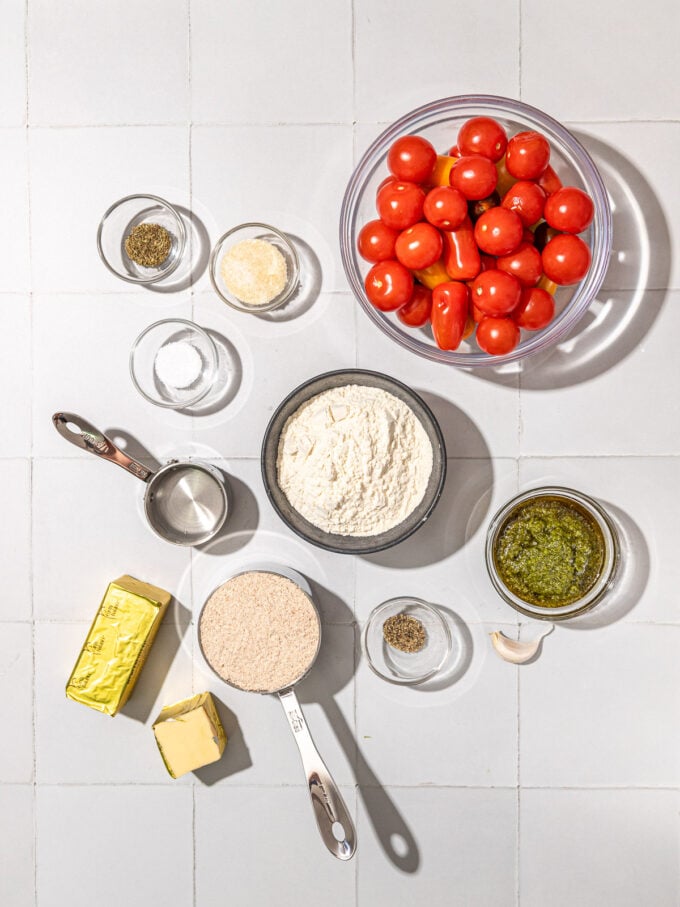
{"x":552,"y":553}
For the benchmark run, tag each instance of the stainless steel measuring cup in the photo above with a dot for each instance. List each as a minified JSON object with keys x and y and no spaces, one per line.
{"x":186,"y":502}
{"x":332,"y":816}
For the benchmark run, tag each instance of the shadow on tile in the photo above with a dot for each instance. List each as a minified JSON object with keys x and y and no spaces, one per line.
{"x":196,"y":256}
{"x":311,"y":279}
{"x":631,"y":581}
{"x":132,"y":447}
{"x":241,"y":523}
{"x":633,"y":292}
{"x":157,"y":665}
{"x":463,"y":504}
{"x":227,"y":381}
{"x":462,"y":650}
{"x":236,"y":757}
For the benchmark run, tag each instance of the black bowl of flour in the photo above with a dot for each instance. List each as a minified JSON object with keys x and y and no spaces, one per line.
{"x":344,"y":542}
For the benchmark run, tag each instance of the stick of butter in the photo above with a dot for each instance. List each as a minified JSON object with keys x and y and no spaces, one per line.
{"x":117,"y":644}
{"x":189,"y":734}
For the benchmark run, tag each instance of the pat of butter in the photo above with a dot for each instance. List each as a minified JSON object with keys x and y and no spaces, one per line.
{"x":189,"y":734}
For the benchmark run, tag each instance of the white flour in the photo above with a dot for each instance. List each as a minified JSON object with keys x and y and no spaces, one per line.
{"x":354,"y":460}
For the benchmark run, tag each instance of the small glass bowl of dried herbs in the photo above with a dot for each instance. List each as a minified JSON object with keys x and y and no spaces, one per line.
{"x":406,"y":641}
{"x":141,"y":239}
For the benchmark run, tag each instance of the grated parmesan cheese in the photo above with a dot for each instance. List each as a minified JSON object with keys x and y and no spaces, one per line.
{"x":254,"y":271}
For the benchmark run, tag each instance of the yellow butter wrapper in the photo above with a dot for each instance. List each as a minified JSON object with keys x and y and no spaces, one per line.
{"x":117,"y":645}
{"x":189,"y":734}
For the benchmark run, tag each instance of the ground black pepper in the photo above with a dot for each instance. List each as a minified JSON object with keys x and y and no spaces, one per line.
{"x":405,"y":633}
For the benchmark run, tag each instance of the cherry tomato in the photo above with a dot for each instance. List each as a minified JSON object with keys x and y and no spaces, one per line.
{"x":482,"y":135}
{"x":566,"y":259}
{"x":461,"y":255}
{"x":431,"y":276}
{"x":411,"y":158}
{"x":488,"y":262}
{"x":445,"y":207}
{"x":524,"y":263}
{"x":474,"y":176}
{"x":476,"y":209}
{"x":528,"y":236}
{"x":476,"y":313}
{"x":454,"y":151}
{"x":400,"y":204}
{"x":542,"y":235}
{"x":419,"y":246}
{"x":498,"y":231}
{"x":385,"y":182}
{"x":450,"y":302}
{"x":376,"y":241}
{"x":535,"y":310}
{"x":549,"y":181}
{"x":497,"y":336}
{"x":527,"y":200}
{"x":527,"y":155}
{"x":569,"y":209}
{"x":470,"y":325}
{"x":389,"y":285}
{"x":442,"y":171}
{"x":417,"y":310}
{"x":496,"y":292}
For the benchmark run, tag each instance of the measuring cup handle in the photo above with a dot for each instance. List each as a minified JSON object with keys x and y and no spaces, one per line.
{"x":327,"y":803}
{"x":83,"y":434}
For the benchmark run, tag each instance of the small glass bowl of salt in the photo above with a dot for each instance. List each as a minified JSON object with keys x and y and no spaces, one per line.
{"x":173,"y":363}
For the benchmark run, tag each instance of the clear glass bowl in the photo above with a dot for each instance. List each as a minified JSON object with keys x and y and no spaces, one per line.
{"x":348,"y":544}
{"x":606,"y":578}
{"x":116,"y":225}
{"x":406,"y":667}
{"x":439,"y":123}
{"x":255,"y":231}
{"x":143,"y":355}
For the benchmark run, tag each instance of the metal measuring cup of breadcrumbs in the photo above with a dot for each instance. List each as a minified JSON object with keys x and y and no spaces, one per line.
{"x":254,"y":268}
{"x":260,"y":632}
{"x":186,"y":502}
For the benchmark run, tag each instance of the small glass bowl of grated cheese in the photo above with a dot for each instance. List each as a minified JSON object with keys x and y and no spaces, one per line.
{"x":254,"y":268}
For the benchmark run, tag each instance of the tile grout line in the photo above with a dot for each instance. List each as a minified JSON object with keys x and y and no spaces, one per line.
{"x":519,"y":50}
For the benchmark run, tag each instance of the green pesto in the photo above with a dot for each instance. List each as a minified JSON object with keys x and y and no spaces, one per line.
{"x":549,"y":552}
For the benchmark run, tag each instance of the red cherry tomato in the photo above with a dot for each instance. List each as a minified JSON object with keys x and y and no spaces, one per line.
{"x":496,"y":293}
{"x":445,"y":208}
{"x":569,"y":209}
{"x":488,"y":262}
{"x":535,"y":310}
{"x":566,"y":259}
{"x":482,"y":135}
{"x":528,"y":236}
{"x":527,"y":200}
{"x":419,"y":246}
{"x":416,"y":312}
{"x":450,"y":303}
{"x":479,"y":207}
{"x":498,"y":231}
{"x":389,"y":285}
{"x":476,"y":313}
{"x":385,"y":182}
{"x":527,"y":155}
{"x":411,"y":158}
{"x":376,"y":241}
{"x":497,"y":336}
{"x":524,"y":263}
{"x":461,"y":255}
{"x":400,"y":204}
{"x":454,"y":151}
{"x":549,"y":181}
{"x":474,"y":176}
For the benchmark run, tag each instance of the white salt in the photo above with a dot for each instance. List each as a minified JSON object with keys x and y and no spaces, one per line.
{"x":178,"y":364}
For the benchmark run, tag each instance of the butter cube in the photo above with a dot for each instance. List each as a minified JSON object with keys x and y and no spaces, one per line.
{"x":189,"y":734}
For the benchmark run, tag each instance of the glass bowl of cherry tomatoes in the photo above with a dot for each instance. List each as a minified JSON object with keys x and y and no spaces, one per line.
{"x":475,"y":231}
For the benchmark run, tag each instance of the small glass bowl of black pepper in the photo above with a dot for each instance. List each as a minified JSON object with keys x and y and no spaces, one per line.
{"x":406,"y":641}
{"x":141,"y":239}
{"x":552,"y":553}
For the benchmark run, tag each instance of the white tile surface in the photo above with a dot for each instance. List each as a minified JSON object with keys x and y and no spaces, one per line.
{"x":464,"y":851}
{"x":580,"y":32}
{"x":16,"y":708}
{"x":80,"y":829}
{"x":249,"y":825}
{"x":120,"y":749}
{"x":14,"y":230}
{"x":253,"y":68}
{"x":79,"y":74}
{"x":15,"y":540}
{"x":78,"y":543}
{"x":13,"y":63}
{"x":446,"y":38}
{"x":16,"y":846}
{"x":309,"y":167}
{"x":15,"y":375}
{"x":599,"y":847}
{"x":76,"y":174}
{"x":595,"y":710}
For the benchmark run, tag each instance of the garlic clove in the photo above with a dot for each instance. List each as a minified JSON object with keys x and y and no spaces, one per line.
{"x":514,"y":651}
